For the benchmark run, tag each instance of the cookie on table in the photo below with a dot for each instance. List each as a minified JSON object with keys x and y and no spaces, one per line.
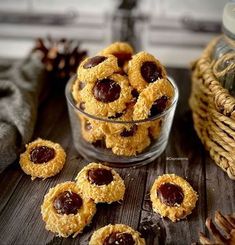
{"x":121,"y":50}
{"x":116,"y":234}
{"x":42,"y":159}
{"x":172,"y":197}
{"x":154,"y":99}
{"x":101,"y":183}
{"x":107,"y":97}
{"x":66,"y":210}
{"x":129,"y":142}
{"x":144,"y":69}
{"x":97,"y":68}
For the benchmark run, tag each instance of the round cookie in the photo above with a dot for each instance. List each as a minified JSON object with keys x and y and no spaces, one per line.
{"x":144,"y":69}
{"x":107,"y":97}
{"x":101,"y":183}
{"x":121,"y":50}
{"x":129,"y":142}
{"x":155,"y":128}
{"x":42,"y":159}
{"x":172,"y":197}
{"x":66,"y":210}
{"x":116,"y":234}
{"x":91,"y":129}
{"x":153,"y":100}
{"x":97,"y":68}
{"x":76,"y":90}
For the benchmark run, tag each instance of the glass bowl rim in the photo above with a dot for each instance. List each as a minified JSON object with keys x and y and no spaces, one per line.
{"x":71,"y":101}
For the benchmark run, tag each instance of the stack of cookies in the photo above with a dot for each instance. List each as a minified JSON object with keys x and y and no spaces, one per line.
{"x":118,"y":85}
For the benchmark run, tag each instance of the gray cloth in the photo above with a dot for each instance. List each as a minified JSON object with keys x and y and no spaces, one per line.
{"x":20,"y":87}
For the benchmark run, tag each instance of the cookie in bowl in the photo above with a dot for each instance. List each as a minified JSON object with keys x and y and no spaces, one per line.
{"x":42,"y":159}
{"x":101,"y":183}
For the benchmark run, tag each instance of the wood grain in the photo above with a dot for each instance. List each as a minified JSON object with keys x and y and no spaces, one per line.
{"x":20,"y":218}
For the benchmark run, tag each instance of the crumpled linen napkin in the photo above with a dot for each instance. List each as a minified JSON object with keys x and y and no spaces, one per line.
{"x":20,"y":87}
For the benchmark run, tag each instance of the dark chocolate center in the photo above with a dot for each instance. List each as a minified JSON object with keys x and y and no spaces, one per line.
{"x":170,"y":194}
{"x":94,"y":61}
{"x":100,"y":176}
{"x":67,"y":203}
{"x":106,"y":90}
{"x":158,"y":106}
{"x":119,"y":238}
{"x":42,"y":154}
{"x":150,"y":72}
{"x":122,"y":57}
{"x":129,"y":133}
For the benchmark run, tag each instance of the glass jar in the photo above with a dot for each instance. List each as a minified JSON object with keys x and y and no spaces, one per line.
{"x":104,"y":140}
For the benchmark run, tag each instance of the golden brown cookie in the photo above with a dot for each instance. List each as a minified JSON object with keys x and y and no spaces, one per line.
{"x":116,"y":234}
{"x":173,"y":197}
{"x":107,"y":97}
{"x":91,"y":129}
{"x":76,"y":90}
{"x":101,"y":183}
{"x":154,"y":99}
{"x":155,"y":128}
{"x":66,"y":210}
{"x":42,"y":159}
{"x":97,"y":68}
{"x":128,"y":142}
{"x":144,"y":69}
{"x":121,"y":50}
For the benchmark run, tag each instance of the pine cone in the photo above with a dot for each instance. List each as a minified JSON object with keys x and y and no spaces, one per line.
{"x":61,"y":57}
{"x":226,"y":234}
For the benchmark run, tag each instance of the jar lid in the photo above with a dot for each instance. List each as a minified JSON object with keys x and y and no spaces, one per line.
{"x":229,"y":17}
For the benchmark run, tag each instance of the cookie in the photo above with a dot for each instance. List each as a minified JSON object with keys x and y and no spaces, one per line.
{"x":121,"y":50}
{"x":116,"y":234}
{"x":128,"y":142}
{"x":101,"y":183}
{"x":107,"y":97}
{"x":97,"y":68}
{"x":172,"y":197}
{"x":42,"y":159}
{"x":66,"y":210}
{"x":91,"y":129}
{"x":153,"y":100}
{"x":155,"y":128}
{"x":144,"y":69}
{"x":76,"y":89}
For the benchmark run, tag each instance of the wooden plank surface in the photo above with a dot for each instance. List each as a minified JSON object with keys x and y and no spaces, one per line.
{"x":21,"y":198}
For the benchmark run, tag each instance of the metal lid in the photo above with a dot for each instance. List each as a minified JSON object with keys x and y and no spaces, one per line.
{"x":229,"y":17}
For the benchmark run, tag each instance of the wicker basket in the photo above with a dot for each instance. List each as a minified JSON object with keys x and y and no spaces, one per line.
{"x":213,"y":110}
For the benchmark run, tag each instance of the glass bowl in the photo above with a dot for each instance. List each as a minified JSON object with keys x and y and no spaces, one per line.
{"x":119,"y":143}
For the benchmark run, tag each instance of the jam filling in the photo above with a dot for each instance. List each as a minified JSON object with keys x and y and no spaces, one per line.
{"x":122,"y":57}
{"x":94,"y":61}
{"x":129,"y":133}
{"x":67,"y":203}
{"x":150,"y":72}
{"x":100,"y":176}
{"x":158,"y":106}
{"x":170,"y":194}
{"x":42,"y":154}
{"x":106,"y":90}
{"x":119,"y":238}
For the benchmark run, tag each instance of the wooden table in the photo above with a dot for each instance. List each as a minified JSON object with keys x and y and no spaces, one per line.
{"x":21,"y":198}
